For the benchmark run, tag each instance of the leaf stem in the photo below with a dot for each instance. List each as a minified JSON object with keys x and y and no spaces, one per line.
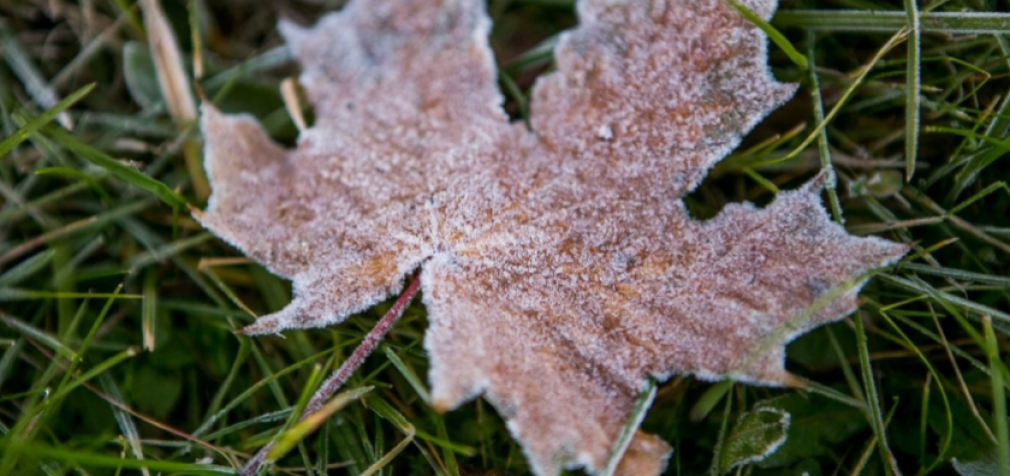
{"x":337,"y":380}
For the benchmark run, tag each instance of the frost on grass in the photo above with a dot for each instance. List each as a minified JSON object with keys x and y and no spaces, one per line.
{"x":560,"y":268}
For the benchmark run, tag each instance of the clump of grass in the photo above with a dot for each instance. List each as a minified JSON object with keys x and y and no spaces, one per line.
{"x":117,"y":354}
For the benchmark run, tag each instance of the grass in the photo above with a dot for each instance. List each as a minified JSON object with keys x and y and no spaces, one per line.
{"x":116,"y":350}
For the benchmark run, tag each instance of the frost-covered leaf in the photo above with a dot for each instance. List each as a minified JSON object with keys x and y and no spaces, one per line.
{"x":984,"y":464}
{"x":560,"y":268}
{"x":755,"y":436}
{"x":815,"y":425}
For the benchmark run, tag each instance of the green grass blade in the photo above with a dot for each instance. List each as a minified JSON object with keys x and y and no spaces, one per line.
{"x":872,"y":399}
{"x":45,"y":118}
{"x":910,"y":345}
{"x":125,"y":172}
{"x":26,"y":268}
{"x":123,"y":419}
{"x":721,"y":439}
{"x":384,"y":410}
{"x":408,"y":374}
{"x":708,"y":400}
{"x":827,"y":168}
{"x":999,"y":414}
{"x":957,"y":23}
{"x":959,"y":274}
{"x":287,"y":441}
{"x":913,"y":84}
{"x":849,"y":91}
{"x":88,"y":459}
{"x":93,"y":373}
{"x":38,"y":335}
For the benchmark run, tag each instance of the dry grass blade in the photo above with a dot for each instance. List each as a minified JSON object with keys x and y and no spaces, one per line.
{"x":168,"y":63}
{"x":175,"y":87}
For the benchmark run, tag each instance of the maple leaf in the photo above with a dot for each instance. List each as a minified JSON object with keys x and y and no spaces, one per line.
{"x":560,"y":268}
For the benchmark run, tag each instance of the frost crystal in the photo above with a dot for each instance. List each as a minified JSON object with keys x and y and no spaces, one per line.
{"x":559,"y":268}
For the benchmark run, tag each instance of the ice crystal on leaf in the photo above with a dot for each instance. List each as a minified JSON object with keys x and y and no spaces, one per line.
{"x":559,"y":267}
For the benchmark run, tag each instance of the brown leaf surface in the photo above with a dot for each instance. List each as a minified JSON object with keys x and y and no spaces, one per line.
{"x":560,"y":268}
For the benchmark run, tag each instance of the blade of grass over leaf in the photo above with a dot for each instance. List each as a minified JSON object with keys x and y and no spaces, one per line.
{"x":796,"y":322}
{"x":778,"y":38}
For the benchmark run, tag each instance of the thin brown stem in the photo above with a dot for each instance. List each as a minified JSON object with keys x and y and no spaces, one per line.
{"x":337,"y":380}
